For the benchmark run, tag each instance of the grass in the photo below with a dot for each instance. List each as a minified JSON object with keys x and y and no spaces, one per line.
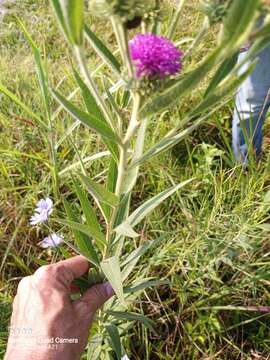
{"x":213,"y":248}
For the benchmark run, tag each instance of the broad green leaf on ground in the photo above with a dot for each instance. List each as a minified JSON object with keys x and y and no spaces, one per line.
{"x":70,"y":16}
{"x":115,"y":340}
{"x":81,"y":234}
{"x":102,"y":50}
{"x":89,"y":120}
{"x":141,"y":212}
{"x":111,"y":269}
{"x":131,"y":316}
{"x":90,"y":216}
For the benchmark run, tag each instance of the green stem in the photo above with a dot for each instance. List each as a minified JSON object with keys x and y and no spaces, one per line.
{"x":79,"y":53}
{"x":123,"y":161}
{"x":122,"y":40}
{"x":134,"y":121}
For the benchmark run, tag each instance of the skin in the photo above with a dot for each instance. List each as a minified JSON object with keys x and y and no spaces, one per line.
{"x":42,"y":310}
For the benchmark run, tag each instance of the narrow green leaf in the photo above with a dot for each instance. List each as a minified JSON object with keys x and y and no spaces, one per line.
{"x":24,"y":107}
{"x":130,"y":316}
{"x":144,"y":285}
{"x":42,"y":76}
{"x":89,"y":100}
{"x":132,"y":173}
{"x":111,"y":269}
{"x":80,"y":231}
{"x":85,"y":160}
{"x":115,"y":341}
{"x":60,"y":17}
{"x":122,"y":209}
{"x":100,"y":192}
{"x":224,"y":69}
{"x":174,"y":137}
{"x":102,"y":50}
{"x":87,"y":119}
{"x":228,"y":87}
{"x":94,"y":109}
{"x":70,"y":16}
{"x":125,"y":229}
{"x":82,"y":228}
{"x":112,"y":176}
{"x":239,"y":21}
{"x":133,"y":258}
{"x":141,"y":212}
{"x":90,"y":216}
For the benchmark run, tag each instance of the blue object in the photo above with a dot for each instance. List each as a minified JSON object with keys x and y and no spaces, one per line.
{"x":251,"y":105}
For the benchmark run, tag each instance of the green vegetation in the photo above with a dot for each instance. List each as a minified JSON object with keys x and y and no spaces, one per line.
{"x":212,"y":237}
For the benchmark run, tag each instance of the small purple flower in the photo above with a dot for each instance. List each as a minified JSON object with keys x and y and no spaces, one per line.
{"x":52,"y":240}
{"x":43,"y":210}
{"x":154,"y":56}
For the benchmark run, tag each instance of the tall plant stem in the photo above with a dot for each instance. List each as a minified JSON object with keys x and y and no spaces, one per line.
{"x":122,"y":40}
{"x":123,"y":160}
{"x":79,"y":53}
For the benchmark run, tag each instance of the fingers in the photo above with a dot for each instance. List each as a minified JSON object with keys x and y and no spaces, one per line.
{"x":60,"y":275}
{"x":77,"y":265}
{"x":94,"y":298}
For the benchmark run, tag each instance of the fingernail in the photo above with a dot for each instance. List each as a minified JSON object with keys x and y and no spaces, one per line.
{"x":109,"y":289}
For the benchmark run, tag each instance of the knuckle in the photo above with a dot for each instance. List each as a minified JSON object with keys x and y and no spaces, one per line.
{"x":43,"y":272}
{"x":61,"y":273}
{"x":24,"y":283}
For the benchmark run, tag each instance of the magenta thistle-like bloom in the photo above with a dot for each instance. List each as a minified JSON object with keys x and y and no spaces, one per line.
{"x":154,"y":56}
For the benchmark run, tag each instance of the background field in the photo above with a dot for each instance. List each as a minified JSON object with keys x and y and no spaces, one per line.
{"x":213,"y":248}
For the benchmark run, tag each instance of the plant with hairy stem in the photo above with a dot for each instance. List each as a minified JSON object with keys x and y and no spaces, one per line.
{"x":149,"y":78}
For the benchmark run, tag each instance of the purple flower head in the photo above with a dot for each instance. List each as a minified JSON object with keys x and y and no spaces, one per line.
{"x":154,"y":56}
{"x":52,"y":240}
{"x":43,"y":210}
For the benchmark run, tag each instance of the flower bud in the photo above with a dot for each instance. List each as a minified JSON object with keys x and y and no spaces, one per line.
{"x":215,"y":10}
{"x":126,"y":9}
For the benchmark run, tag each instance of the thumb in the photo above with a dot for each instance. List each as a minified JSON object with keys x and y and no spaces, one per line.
{"x":94,"y":297}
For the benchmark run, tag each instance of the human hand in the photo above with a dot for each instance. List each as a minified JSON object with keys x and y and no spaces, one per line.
{"x":43,"y":312}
